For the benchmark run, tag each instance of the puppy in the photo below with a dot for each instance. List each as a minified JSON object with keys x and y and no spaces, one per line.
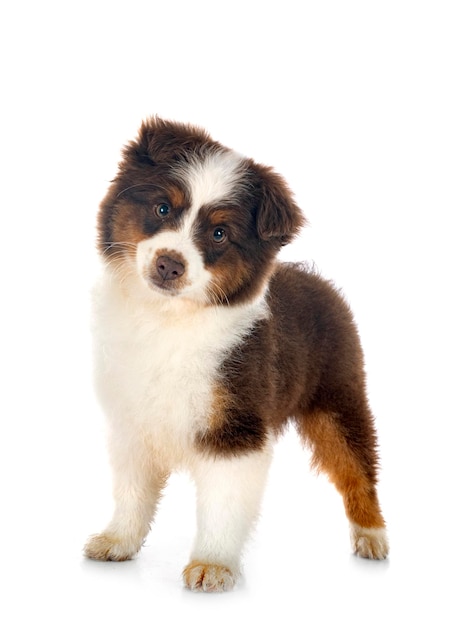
{"x":207,"y":346}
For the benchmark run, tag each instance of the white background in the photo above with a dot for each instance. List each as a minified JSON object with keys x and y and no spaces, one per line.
{"x":356,"y":104}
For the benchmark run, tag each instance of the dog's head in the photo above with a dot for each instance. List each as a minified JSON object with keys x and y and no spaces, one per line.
{"x":194,"y":219}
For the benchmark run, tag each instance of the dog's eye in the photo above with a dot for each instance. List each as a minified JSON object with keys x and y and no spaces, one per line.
{"x":219,"y":235}
{"x":162,"y":210}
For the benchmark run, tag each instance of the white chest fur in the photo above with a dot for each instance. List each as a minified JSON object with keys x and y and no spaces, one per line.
{"x":157,"y":360}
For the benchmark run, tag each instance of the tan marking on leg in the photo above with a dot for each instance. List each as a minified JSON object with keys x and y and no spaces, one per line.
{"x":332,"y":454}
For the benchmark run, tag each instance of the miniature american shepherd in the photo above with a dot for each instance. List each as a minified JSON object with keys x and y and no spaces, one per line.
{"x":206,"y":347}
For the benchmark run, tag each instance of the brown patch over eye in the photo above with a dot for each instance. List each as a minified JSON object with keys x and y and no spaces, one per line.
{"x":221,"y":216}
{"x":176,"y":196}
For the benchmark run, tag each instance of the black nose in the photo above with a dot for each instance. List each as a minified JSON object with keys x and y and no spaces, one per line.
{"x":168,"y":268}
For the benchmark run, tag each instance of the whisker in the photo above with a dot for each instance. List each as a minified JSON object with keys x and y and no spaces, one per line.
{"x":148,"y":185}
{"x":126,"y":244}
{"x":119,"y":247}
{"x":218,"y":294}
{"x":122,"y":271}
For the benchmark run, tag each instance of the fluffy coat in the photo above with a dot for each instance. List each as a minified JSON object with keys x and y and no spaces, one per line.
{"x":207,"y":347}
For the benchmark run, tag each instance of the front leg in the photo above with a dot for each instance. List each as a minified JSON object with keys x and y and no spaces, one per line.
{"x":137,"y":488}
{"x":229,"y":492}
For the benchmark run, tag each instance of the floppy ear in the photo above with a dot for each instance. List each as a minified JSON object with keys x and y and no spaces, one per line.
{"x":278,"y":216}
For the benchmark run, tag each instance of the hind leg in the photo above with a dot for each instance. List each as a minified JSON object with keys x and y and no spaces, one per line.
{"x":344,"y":448}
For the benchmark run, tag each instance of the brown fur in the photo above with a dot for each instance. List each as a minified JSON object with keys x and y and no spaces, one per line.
{"x":268,"y":220}
{"x":302,"y":363}
{"x":305,"y":363}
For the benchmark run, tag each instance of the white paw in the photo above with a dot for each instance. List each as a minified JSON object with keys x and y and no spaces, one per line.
{"x":369,"y":543}
{"x":108,"y":547}
{"x":208,"y":577}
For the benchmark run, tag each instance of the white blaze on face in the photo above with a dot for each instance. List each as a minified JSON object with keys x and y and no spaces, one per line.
{"x":211,"y":179}
{"x":208,"y":180}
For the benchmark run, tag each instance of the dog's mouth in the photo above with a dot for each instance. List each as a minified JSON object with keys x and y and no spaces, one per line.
{"x":163,"y":286}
